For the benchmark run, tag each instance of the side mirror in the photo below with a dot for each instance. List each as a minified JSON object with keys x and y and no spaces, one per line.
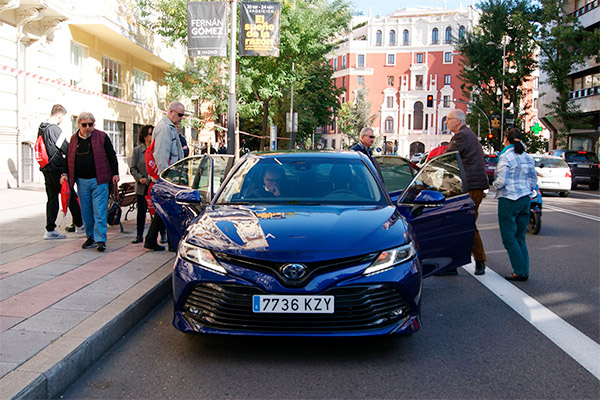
{"x":429,"y":198}
{"x":187,"y":197}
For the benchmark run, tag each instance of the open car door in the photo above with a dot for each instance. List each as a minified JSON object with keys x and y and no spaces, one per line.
{"x":397,"y":173}
{"x":193,"y":180}
{"x":444,"y":227}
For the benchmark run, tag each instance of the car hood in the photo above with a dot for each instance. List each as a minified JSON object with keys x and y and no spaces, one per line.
{"x":298,"y":233}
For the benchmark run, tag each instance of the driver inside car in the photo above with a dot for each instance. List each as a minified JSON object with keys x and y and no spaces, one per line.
{"x":272,"y":182}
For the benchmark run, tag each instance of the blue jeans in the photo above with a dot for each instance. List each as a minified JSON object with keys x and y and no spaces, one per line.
{"x":513,"y":216}
{"x":94,"y":200}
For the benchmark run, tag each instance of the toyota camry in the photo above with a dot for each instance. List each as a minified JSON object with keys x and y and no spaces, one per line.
{"x":310,"y":243}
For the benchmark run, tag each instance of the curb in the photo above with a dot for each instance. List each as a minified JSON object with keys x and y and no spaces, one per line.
{"x":50,"y":372}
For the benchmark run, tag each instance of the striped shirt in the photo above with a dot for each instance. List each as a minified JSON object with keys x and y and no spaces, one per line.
{"x":515,"y":175}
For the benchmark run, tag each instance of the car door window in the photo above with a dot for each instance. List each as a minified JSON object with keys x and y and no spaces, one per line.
{"x":397,"y":172}
{"x":441,"y":174}
{"x":182,"y":173}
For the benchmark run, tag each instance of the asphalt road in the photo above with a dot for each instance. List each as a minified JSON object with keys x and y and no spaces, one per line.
{"x":471,"y":344}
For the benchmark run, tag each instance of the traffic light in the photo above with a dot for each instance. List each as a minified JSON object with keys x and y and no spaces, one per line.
{"x":490,"y":136}
{"x":429,"y":101}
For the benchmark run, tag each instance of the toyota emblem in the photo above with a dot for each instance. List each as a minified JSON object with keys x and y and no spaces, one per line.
{"x":293,"y":271}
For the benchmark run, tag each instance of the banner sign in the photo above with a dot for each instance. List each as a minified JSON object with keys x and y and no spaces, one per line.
{"x":259,"y":28}
{"x":207,"y":28}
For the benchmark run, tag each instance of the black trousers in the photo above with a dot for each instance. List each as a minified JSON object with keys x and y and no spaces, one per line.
{"x":157,"y":225}
{"x":52,"y":182}
{"x":142,"y":208}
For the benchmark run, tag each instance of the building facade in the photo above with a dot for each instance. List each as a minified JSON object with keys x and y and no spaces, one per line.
{"x":585,"y":87}
{"x":87,"y":56}
{"x":400,"y":60}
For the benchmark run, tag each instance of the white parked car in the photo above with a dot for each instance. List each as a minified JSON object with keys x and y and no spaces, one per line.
{"x":554,"y":174}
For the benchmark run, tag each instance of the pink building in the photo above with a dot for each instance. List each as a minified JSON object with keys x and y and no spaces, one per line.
{"x":401,"y":59}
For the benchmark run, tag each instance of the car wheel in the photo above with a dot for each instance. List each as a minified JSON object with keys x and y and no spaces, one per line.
{"x":594,"y":185}
{"x":535,"y":223}
{"x":563,"y":194}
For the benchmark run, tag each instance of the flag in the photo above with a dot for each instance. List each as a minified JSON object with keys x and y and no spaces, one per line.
{"x":207,"y":28}
{"x":259,"y":28}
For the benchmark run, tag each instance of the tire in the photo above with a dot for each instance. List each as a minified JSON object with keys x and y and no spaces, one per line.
{"x":594,"y":185}
{"x":535,"y":223}
{"x":563,"y":194}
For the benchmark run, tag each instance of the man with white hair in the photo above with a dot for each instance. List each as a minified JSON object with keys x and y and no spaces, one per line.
{"x":468,"y":146}
{"x":367,"y":138}
{"x":167,"y":150}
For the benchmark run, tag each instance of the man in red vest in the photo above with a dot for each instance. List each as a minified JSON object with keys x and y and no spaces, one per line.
{"x":92,"y":164}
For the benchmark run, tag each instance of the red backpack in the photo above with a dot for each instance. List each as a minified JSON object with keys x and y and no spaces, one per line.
{"x":151,"y":167}
{"x":39,"y":151}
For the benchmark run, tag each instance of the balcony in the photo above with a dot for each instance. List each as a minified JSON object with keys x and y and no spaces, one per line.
{"x":589,"y":14}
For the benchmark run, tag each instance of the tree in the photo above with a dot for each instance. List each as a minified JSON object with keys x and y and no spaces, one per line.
{"x":563,"y":43}
{"x":484,"y":57}
{"x":353,"y":117}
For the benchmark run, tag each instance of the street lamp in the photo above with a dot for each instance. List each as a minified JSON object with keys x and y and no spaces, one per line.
{"x":504,"y":38}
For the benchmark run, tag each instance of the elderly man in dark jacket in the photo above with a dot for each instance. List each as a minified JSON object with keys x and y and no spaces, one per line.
{"x":466,"y":143}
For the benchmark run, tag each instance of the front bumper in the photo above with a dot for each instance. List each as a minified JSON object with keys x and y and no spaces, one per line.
{"x":379,"y":304}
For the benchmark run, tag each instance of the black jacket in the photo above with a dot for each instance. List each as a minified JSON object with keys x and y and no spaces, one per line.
{"x":471,"y":153}
{"x":56,"y":154}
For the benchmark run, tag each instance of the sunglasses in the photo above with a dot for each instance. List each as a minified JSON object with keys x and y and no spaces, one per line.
{"x":372,"y":137}
{"x":86,"y":124}
{"x":180,"y":115}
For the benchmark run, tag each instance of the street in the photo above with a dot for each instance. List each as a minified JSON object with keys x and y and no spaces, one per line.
{"x":472,"y":343}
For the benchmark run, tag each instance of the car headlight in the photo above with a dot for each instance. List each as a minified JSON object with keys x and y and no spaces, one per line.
{"x":390,"y":258}
{"x":200,"y":256}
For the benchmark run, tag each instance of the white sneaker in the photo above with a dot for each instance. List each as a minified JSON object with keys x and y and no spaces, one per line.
{"x":54,"y":235}
{"x":79,"y":229}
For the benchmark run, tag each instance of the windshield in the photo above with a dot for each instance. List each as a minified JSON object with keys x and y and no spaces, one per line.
{"x":302,"y":180}
{"x":550,"y":162}
{"x":581,"y":156}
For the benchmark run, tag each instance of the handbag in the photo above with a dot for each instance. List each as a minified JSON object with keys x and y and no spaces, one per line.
{"x":113,"y":211}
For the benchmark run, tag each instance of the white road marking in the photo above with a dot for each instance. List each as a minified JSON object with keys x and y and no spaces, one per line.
{"x":577,"y":345}
{"x":571,"y":212}
{"x":588,"y":194}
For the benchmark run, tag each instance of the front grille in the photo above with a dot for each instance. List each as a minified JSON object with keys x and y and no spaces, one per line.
{"x":229,"y":307}
{"x":274,"y":268}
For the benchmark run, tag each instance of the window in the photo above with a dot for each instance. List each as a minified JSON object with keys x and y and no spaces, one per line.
{"x":344,"y":61}
{"x":435,"y":36}
{"x":390,"y":81}
{"x":389,"y":101}
{"x":378,"y":38}
{"x":419,"y":58}
{"x":360,"y":61}
{"x":446,"y":101}
{"x":447,"y":79}
{"x":442,"y":175}
{"x":78,"y":53}
{"x":447,"y":57}
{"x":536,"y":82}
{"x":343,"y":82}
{"x":116,"y":132}
{"x":389,"y":125}
{"x":419,"y":82}
{"x":361,"y":80}
{"x":418,"y":112}
{"x":461,"y":33}
{"x":535,"y":103}
{"x":448,"y":36}
{"x":335,"y":65}
{"x":391,"y":59}
{"x":140,"y":81}
{"x":111,"y":77}
{"x":392,"y":38}
{"x":405,"y":37}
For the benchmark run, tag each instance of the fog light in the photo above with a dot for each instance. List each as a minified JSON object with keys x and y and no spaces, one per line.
{"x":195,"y":311}
{"x":397,"y":313}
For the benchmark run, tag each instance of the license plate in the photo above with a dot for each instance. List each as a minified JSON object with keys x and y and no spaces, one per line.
{"x":583,"y":166}
{"x":293,"y":304}
{"x":491,"y":167}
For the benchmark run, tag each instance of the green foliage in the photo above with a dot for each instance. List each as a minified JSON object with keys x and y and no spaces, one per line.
{"x":308,"y":29}
{"x":563,"y":43}
{"x":353,"y":117}
{"x":482,"y":73}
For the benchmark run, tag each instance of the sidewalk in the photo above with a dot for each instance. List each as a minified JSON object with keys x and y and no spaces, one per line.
{"x":62,"y":307}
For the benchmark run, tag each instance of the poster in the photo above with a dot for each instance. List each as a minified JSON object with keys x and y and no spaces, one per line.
{"x":207,"y":28}
{"x":259,"y":28}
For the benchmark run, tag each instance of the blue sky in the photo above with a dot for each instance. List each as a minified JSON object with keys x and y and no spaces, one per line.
{"x":386,"y":7}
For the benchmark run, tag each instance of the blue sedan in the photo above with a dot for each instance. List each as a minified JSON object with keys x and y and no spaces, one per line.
{"x":311,"y":243}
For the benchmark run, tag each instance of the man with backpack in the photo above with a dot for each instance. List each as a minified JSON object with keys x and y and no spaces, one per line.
{"x":56,"y":144}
